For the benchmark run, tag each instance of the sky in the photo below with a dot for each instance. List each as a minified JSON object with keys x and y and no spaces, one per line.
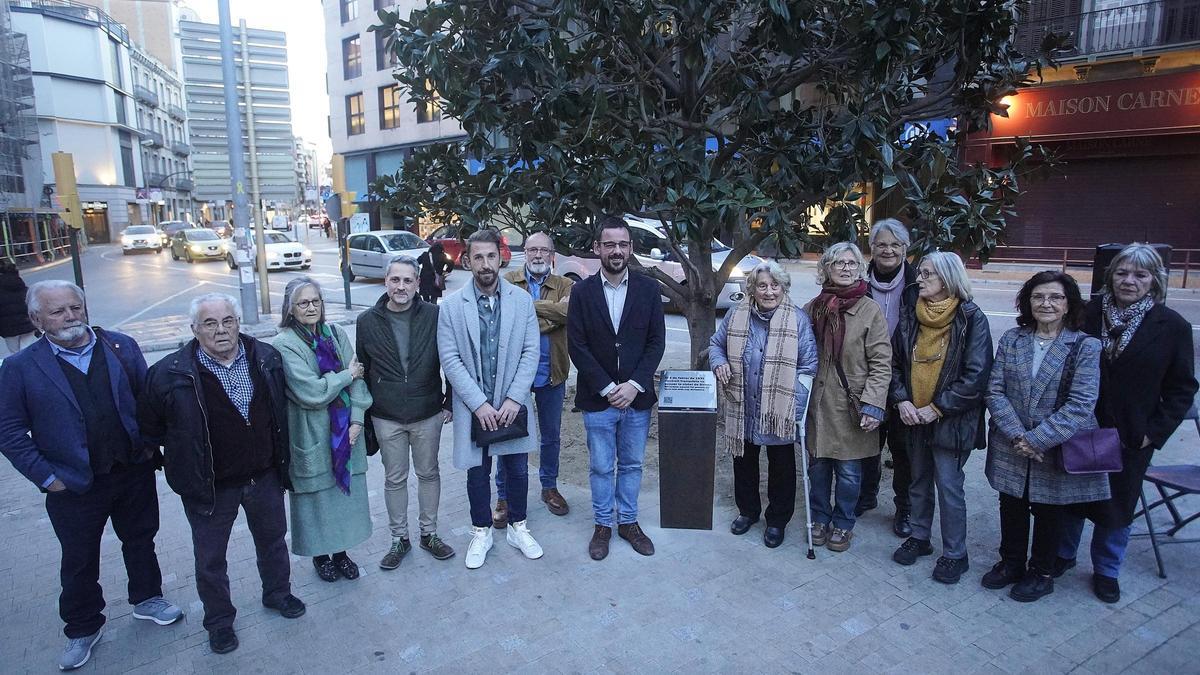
{"x":304,"y":23}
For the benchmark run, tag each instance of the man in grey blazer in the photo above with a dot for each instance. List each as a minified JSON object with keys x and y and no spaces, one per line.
{"x":489,"y":344}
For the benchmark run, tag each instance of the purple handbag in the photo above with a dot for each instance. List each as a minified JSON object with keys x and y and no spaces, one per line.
{"x":1091,"y":450}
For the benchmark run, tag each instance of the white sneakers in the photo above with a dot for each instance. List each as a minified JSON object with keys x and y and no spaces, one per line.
{"x":477,"y":550}
{"x":518,"y":537}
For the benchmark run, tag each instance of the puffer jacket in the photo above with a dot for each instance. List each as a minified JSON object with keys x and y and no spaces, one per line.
{"x":961,"y":386}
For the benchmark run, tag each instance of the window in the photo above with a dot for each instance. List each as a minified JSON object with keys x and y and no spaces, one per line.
{"x":351,"y":58}
{"x":120,"y":105}
{"x":429,"y":112}
{"x":116,"y":64}
{"x":389,"y":107}
{"x":127,"y":158}
{"x":349,"y":10}
{"x":356,"y":120}
{"x":384,"y":59}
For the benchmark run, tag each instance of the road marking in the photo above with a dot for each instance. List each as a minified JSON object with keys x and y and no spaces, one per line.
{"x":151,"y":306}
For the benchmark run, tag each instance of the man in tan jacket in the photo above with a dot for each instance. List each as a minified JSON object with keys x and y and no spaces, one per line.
{"x":550,"y":295}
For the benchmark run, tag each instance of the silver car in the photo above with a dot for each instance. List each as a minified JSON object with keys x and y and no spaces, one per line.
{"x":370,"y":252}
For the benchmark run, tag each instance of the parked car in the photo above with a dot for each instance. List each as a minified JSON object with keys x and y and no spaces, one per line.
{"x":651,"y":250}
{"x":314,"y":222}
{"x":140,"y":238}
{"x":447,"y":236}
{"x":370,"y":252}
{"x":282,"y":252}
{"x":223,"y":228}
{"x":197,"y":244}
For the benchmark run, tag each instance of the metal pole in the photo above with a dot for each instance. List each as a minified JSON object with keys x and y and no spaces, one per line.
{"x":255,"y":192}
{"x":237,"y":169}
{"x":75,"y":266}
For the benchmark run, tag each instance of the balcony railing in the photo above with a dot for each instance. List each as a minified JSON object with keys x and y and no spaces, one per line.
{"x":1128,"y":28}
{"x":176,"y":112}
{"x":155,"y":180}
{"x":152,"y":139}
{"x":145,"y":95}
{"x":181,"y":149}
{"x":185,"y":184}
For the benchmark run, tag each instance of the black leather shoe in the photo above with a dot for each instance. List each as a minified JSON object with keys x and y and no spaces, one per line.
{"x":346,"y":567}
{"x":1033,"y":587}
{"x":326,"y":569}
{"x":1002,"y":574}
{"x":901,"y":525}
{"x":950,"y":570}
{"x":1061,"y":565}
{"x":912,"y":549}
{"x":741,"y":524}
{"x":1107,"y":589}
{"x":773,"y":536}
{"x":290,"y":608}
{"x":222,"y":640}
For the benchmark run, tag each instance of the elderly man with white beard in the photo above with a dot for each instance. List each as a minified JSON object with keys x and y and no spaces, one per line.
{"x":551,"y":295}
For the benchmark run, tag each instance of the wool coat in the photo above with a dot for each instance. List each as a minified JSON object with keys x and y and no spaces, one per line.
{"x":308,"y":397}
{"x":516,"y":365}
{"x":1022,"y":404}
{"x":14,"y":316}
{"x":833,"y":429}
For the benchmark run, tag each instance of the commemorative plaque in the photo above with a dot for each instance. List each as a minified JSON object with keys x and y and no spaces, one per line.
{"x":687,"y":435}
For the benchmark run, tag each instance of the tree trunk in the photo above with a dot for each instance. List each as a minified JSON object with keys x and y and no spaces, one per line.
{"x":702,"y":323}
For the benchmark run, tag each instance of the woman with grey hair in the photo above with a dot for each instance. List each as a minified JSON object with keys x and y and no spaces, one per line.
{"x":893,"y":284}
{"x":1147,"y":384}
{"x":941,"y":361}
{"x":855,"y":358}
{"x":765,"y":357}
{"x":327,"y":400}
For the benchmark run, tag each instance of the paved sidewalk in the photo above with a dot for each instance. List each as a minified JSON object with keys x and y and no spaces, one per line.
{"x":174,"y":330}
{"x":708,"y":601}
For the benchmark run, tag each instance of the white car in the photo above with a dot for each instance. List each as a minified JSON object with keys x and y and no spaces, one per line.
{"x":370,"y":252}
{"x":282,"y":252}
{"x":141,"y":238}
{"x":651,"y":249}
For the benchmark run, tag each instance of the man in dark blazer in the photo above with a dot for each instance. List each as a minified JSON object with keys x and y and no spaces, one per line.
{"x":616,"y":337}
{"x":68,"y":423}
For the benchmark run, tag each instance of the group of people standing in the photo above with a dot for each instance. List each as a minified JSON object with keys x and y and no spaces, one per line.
{"x":235,"y":422}
{"x":897,"y":355}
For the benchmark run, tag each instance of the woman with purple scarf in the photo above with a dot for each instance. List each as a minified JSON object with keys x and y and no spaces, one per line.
{"x":327,"y":399}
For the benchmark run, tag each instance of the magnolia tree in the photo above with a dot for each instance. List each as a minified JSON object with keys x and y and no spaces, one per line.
{"x":735,"y":117}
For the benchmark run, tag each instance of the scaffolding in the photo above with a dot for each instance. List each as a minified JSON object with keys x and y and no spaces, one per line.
{"x":26,"y":234}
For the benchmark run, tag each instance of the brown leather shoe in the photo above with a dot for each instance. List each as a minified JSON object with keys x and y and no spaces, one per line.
{"x":555,"y":502}
{"x":633,"y":534}
{"x":500,"y":515}
{"x":598,"y":546}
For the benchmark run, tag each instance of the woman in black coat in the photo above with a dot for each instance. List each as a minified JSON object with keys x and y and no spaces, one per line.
{"x":1147,"y":384}
{"x":15,"y":327}
{"x":434,"y":266}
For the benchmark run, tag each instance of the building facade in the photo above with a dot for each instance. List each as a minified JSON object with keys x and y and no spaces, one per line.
{"x":371,"y":123}
{"x":265,"y":111}
{"x":166,"y":189}
{"x":84,"y":106}
{"x":307,"y":178}
{"x":1123,"y":112}
{"x":151,"y":26}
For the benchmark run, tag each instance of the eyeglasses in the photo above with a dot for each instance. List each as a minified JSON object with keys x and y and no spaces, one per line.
{"x":538,"y":251}
{"x":1053,"y":298}
{"x":844,"y":264}
{"x":305,"y":304}
{"x":229,"y":323}
{"x":926,"y":274}
{"x":884,"y":247}
{"x":611,"y":246}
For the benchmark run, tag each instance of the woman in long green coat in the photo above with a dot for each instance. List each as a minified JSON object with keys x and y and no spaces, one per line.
{"x":327,"y":399}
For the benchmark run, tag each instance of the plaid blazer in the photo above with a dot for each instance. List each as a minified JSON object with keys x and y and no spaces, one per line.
{"x":1022,"y":404}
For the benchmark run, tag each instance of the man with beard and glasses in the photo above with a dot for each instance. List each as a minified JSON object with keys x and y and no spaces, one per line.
{"x":616,"y":337}
{"x":397,"y":344}
{"x":68,"y":423}
{"x":488,"y":342}
{"x":550,"y":293}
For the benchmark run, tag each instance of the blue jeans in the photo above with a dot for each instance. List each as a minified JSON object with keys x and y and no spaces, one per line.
{"x":549,"y":402}
{"x":845,"y":492}
{"x":479,"y":488}
{"x":616,"y":446}
{"x":1108,"y":545}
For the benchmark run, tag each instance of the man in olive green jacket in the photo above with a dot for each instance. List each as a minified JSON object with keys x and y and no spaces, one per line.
{"x":551,"y":293}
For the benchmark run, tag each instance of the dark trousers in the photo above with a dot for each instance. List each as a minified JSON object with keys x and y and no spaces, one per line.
{"x":127,"y":495}
{"x":1014,"y":532}
{"x":479,"y":488}
{"x":262,"y":500}
{"x":781,"y":483}
{"x":901,"y":471}
{"x":549,"y":400}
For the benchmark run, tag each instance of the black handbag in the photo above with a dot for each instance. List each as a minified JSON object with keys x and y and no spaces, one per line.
{"x":518,"y":429}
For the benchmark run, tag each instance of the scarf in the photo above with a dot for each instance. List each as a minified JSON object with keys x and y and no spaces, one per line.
{"x":325,"y":347}
{"x":1119,"y":325}
{"x":929,"y":352}
{"x":777,"y":407}
{"x":828,"y":310}
{"x":888,"y":294}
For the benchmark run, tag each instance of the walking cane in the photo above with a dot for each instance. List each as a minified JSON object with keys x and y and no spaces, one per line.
{"x":806,"y":380}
